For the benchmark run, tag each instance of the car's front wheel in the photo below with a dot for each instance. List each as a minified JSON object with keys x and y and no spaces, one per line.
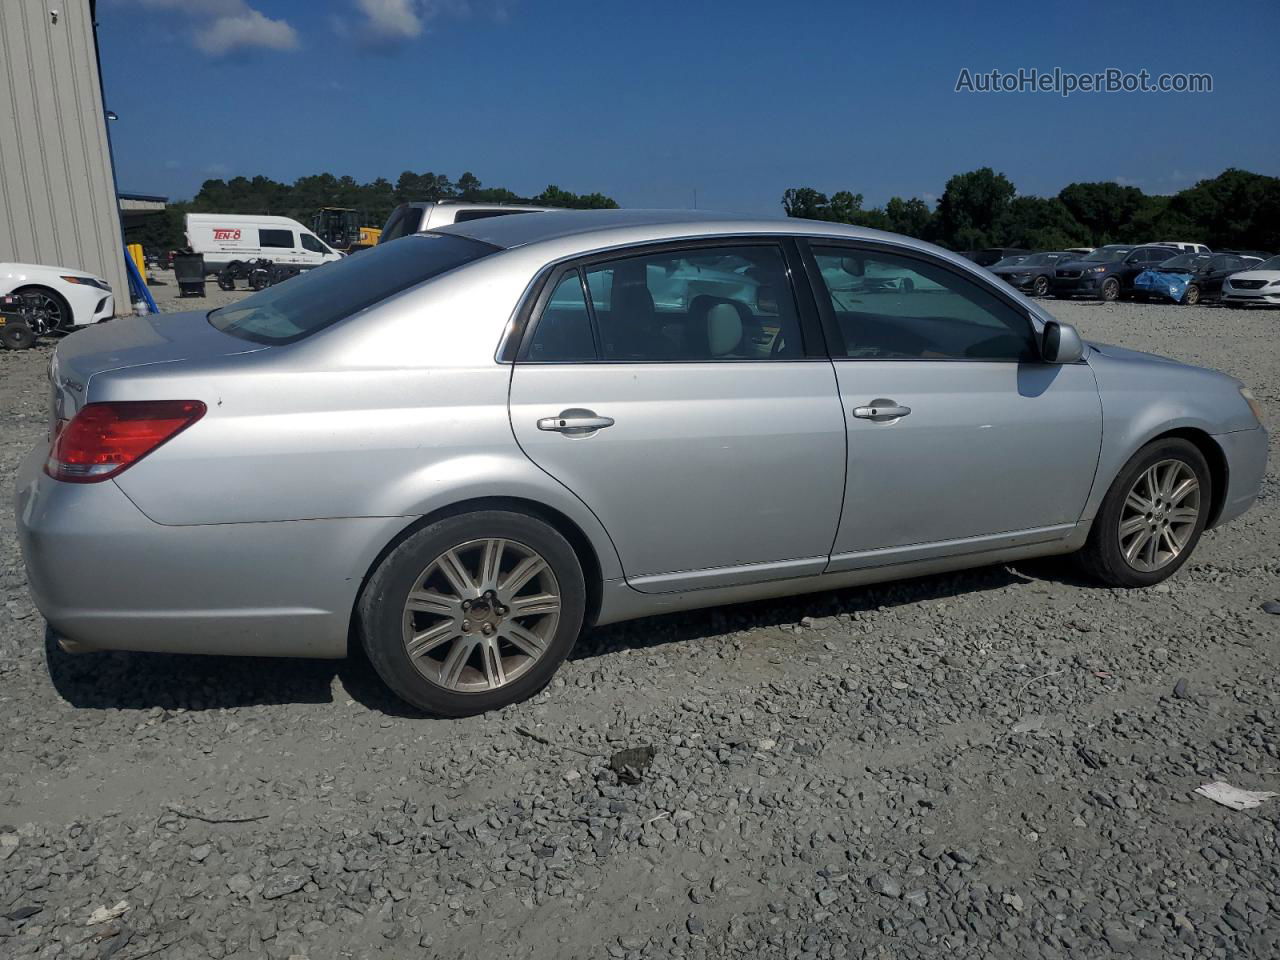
{"x":1192,"y":296}
{"x":1152,"y":516}
{"x":1111,"y":289}
{"x":1040,"y":287}
{"x":473,"y":612}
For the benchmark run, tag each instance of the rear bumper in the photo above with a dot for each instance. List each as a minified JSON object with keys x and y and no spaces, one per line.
{"x":108,"y":578}
{"x":1246,"y":453}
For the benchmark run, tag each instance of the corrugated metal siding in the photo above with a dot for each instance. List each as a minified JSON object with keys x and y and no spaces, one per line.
{"x":57,"y":195}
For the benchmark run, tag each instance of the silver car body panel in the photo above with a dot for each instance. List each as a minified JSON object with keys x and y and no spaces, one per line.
{"x":988,"y":449}
{"x":253,"y":531}
{"x":719,"y":451}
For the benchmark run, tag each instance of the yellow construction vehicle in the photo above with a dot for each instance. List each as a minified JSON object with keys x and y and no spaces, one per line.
{"x":340,"y":228}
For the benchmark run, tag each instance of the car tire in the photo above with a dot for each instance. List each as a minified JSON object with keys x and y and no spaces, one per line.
{"x":1127,"y":557}
{"x":1040,"y":287}
{"x":53,"y":311}
{"x":1192,"y":295}
{"x":471,"y":652}
{"x":1110,"y":289}
{"x":16,"y":336}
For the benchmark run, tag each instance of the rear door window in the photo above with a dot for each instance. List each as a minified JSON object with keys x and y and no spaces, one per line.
{"x":332,"y":292}
{"x":696,"y":305}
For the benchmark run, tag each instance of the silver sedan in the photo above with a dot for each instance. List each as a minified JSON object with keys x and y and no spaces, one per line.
{"x":468,"y":445}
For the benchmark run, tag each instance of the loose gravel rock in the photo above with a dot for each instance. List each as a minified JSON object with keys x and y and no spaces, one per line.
{"x":996,"y":763}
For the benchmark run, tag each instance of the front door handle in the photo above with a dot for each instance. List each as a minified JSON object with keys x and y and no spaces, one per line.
{"x":881,"y":410}
{"x":575,"y":422}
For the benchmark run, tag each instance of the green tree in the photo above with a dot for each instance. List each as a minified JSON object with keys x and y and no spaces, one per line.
{"x":1039,"y":223}
{"x":970,"y":208}
{"x":805,"y":203}
{"x":1106,"y":210}
{"x":912,"y":218}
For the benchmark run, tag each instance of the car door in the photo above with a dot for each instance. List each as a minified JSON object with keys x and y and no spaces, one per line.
{"x":1220,"y":267}
{"x":960,"y":438}
{"x":678,"y":393}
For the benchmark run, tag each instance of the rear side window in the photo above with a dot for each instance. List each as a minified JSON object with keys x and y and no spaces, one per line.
{"x":464,"y":215}
{"x":314,"y":300}
{"x":276,"y":238}
{"x":890,"y":307}
{"x":563,"y":333}
{"x":404,"y":220}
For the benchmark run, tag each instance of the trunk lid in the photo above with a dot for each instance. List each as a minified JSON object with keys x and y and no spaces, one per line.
{"x":134,"y":342}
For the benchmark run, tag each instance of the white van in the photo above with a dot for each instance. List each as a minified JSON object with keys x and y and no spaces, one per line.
{"x":223,"y":237}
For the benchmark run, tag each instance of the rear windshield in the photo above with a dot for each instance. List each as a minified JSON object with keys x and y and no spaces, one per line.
{"x":1107,"y":254}
{"x":314,"y":300}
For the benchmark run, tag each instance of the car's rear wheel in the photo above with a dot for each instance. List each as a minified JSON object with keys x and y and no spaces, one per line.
{"x":1111,"y":289}
{"x":473,"y":612}
{"x":1152,"y":516}
{"x":1040,"y":287}
{"x":1192,"y":296}
{"x":44,"y":310}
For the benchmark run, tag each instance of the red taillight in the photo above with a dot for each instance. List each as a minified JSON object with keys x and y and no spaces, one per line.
{"x":104,"y":439}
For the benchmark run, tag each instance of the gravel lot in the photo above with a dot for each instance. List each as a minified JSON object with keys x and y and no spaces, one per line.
{"x":998,"y":763}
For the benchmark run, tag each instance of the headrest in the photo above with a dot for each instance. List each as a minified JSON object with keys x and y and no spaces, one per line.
{"x":724,"y":329}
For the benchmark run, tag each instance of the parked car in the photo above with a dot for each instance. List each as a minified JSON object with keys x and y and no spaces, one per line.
{"x":57,"y":299}
{"x":1184,"y":246}
{"x":1258,"y":255}
{"x":993,"y":255}
{"x":1189,"y":277}
{"x":464,"y":447}
{"x":1258,"y":285}
{"x":1108,"y":272}
{"x":415,"y":217}
{"x":1082,"y":251}
{"x":226,"y":238}
{"x":1033,"y":273}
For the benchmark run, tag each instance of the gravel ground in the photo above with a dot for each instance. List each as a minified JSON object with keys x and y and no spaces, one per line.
{"x":998,"y":763}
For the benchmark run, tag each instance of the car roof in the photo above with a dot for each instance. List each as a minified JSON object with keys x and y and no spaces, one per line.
{"x":607,"y":227}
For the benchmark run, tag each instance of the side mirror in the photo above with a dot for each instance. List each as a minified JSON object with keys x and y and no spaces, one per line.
{"x":1061,"y":343}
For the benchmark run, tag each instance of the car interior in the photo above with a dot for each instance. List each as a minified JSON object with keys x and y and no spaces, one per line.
{"x":894,"y":308}
{"x":715,"y":305}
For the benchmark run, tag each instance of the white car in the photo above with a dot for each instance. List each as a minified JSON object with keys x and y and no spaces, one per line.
{"x":1260,"y":285}
{"x":1186,"y":246}
{"x":57,"y":298}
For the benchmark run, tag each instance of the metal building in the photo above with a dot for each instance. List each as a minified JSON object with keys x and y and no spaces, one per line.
{"x":57,"y":189}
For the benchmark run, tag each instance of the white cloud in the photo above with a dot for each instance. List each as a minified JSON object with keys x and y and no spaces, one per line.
{"x":221,"y":27}
{"x":391,"y":23}
{"x":391,"y":20}
{"x":243,"y":31}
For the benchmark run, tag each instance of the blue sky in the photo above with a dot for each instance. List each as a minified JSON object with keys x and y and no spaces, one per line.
{"x":649,"y":101}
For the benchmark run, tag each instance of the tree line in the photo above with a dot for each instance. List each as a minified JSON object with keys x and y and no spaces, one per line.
{"x":1236,"y":209}
{"x":374,"y":200}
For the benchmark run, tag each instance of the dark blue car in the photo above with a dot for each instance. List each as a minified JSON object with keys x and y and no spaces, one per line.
{"x":1108,"y":272}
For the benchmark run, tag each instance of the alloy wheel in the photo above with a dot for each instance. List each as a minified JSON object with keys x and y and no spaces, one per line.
{"x":481,"y":615}
{"x":1159,"y":515}
{"x":42,"y":312}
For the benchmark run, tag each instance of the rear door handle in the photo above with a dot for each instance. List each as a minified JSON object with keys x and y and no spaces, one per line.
{"x":881,"y":410}
{"x":575,"y":422}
